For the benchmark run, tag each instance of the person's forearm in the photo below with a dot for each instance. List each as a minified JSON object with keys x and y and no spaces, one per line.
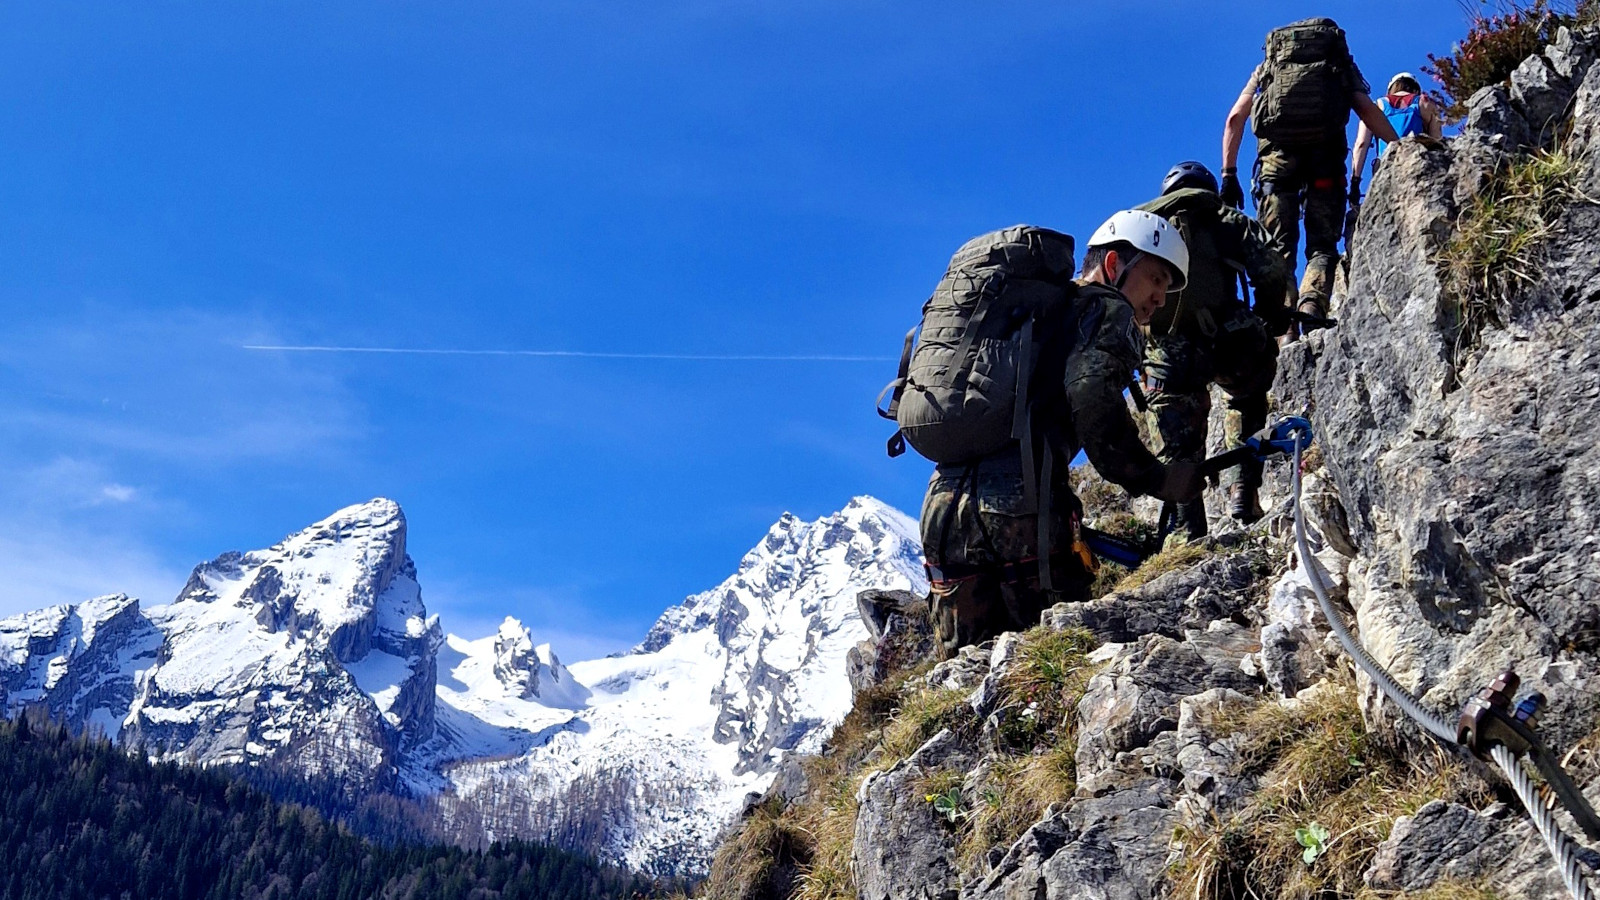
{"x":1374,"y":119}
{"x":1232,"y":137}
{"x":1358,"y":156}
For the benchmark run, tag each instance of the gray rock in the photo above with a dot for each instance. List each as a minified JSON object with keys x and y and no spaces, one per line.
{"x":791,"y":782}
{"x":902,"y":851}
{"x":1188,"y":599}
{"x":1491,"y":115}
{"x":1573,"y":52}
{"x":1104,"y":848}
{"x":963,"y":672}
{"x":1443,"y":840}
{"x":1007,"y":650}
{"x":1543,"y":94}
{"x":1206,"y":758}
{"x":900,"y":636}
{"x":1468,"y":474}
{"x":1137,"y":698}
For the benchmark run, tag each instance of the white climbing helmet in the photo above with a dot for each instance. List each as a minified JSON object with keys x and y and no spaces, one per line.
{"x":1145,"y":232}
{"x":1403,"y":77}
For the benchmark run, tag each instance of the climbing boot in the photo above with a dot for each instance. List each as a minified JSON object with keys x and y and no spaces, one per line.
{"x":1243,"y":504}
{"x":1316,"y":307}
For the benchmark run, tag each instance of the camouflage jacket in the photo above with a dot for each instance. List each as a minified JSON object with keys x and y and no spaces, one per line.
{"x":1222,"y":242}
{"x":1105,"y":350}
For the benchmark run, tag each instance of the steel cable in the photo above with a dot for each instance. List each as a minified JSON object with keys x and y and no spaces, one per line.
{"x":1561,"y":848}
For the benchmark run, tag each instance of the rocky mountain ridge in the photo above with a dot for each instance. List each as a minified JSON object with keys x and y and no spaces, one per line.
{"x":1196,"y":731}
{"x":318,"y":657}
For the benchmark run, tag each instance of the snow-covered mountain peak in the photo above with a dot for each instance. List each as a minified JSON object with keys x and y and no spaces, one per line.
{"x":515,"y":664}
{"x":78,"y":661}
{"x":317,"y":655}
{"x":268,"y":652}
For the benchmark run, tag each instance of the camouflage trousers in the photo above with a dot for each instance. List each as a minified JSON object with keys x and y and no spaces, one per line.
{"x":1292,"y":180}
{"x":980,"y":539}
{"x":1241,"y":357}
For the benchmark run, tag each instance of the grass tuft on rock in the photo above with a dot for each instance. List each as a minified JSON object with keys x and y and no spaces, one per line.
{"x":1449,"y":889}
{"x":1038,"y":738}
{"x":1500,"y":236}
{"x":801,"y":850}
{"x":1322,"y":774}
{"x":1178,"y":554}
{"x":763,"y":859}
{"x":922,"y":714}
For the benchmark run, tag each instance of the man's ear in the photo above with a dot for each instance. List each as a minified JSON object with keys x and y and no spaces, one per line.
{"x":1111,"y":266}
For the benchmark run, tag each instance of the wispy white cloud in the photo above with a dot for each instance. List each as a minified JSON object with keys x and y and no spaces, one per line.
{"x":106,"y":418}
{"x":62,"y":485}
{"x":172,"y":386}
{"x":577,"y":354}
{"x":46,"y":568}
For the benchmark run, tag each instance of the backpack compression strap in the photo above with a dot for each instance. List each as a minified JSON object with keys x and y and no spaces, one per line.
{"x":987,"y":294}
{"x":895,"y":388}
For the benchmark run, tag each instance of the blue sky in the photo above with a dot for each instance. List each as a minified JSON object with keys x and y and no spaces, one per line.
{"x":181,"y":180}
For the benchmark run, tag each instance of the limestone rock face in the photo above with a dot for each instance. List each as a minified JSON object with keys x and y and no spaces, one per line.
{"x":1467,"y":472}
{"x":902,"y":850}
{"x":1454,"y":506}
{"x":899,"y":633}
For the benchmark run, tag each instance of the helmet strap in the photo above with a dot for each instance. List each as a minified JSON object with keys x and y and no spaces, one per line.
{"x":1125,"y":267}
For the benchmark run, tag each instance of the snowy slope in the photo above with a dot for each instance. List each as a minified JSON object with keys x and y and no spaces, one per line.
{"x":318,"y":655}
{"x":80,"y":662}
{"x":678,"y":732}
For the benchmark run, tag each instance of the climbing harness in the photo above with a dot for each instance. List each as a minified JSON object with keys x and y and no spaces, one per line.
{"x":1485,"y":727}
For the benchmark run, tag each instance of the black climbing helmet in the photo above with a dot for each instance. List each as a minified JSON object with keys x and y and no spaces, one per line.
{"x":1189,"y":175}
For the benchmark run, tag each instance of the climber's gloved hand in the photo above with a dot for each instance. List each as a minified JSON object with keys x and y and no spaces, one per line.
{"x":1182,"y":483}
{"x":1355,"y":191}
{"x":1232,"y":192}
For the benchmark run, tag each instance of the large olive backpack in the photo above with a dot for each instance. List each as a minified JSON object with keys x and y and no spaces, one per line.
{"x":1303,"y":90}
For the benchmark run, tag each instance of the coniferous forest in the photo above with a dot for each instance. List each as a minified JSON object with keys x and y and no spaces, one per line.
{"x":80,"y":818}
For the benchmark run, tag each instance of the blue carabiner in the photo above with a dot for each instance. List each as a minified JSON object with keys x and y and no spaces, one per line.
{"x":1285,"y":436}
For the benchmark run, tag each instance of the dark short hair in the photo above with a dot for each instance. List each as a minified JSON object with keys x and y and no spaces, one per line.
{"x":1094,"y":257}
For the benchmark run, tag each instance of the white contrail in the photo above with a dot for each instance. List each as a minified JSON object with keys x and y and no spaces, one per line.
{"x":585,"y":354}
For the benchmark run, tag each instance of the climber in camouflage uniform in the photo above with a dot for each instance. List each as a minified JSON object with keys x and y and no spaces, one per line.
{"x":1207,"y":333}
{"x":980,"y":533}
{"x":1298,"y":100}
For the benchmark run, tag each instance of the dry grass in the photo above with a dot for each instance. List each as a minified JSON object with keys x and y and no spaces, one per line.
{"x":1498,"y":246}
{"x":802,"y":850}
{"x":829,"y":818}
{"x":922,"y":714}
{"x":1178,"y":554}
{"x":893,"y":720}
{"x":1318,"y":764}
{"x":807,"y":844}
{"x":1015,"y":796}
{"x":1108,"y":508}
{"x":1583,"y":757}
{"x":1038,"y":738}
{"x":1444,"y":890}
{"x":762,"y":860}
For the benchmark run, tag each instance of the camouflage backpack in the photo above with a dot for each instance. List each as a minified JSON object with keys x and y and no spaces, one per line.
{"x":1215,"y":263}
{"x":963,"y":392}
{"x":1303,"y":90}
